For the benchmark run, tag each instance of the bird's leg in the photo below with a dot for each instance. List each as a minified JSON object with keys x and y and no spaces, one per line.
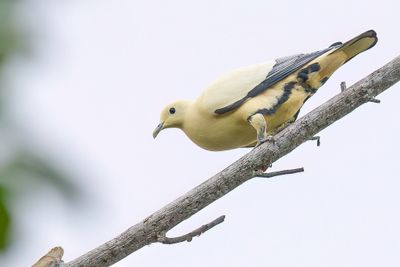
{"x":259,"y":123}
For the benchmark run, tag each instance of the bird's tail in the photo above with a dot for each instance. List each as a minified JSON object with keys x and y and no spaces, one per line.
{"x":359,"y":44}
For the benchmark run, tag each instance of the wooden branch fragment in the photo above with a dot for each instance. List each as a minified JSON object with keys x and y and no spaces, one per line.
{"x":51,"y":259}
{"x":147,"y":231}
{"x":189,"y":236}
{"x":276,"y":173}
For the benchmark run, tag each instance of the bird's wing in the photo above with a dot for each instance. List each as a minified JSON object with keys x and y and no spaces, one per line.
{"x":233,"y":85}
{"x":233,"y":89}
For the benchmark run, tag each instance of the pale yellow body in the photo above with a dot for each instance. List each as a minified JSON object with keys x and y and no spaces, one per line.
{"x":232,"y":130}
{"x":246,"y":125}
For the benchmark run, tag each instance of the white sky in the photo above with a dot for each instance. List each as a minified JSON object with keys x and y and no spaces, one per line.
{"x":91,"y":97}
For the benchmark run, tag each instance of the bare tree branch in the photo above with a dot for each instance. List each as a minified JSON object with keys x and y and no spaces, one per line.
{"x":189,"y":236}
{"x":148,"y":230}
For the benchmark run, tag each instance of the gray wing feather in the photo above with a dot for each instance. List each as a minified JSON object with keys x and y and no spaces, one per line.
{"x":282,"y":68}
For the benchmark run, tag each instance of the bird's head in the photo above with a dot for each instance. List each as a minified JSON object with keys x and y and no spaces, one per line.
{"x":172,"y":116}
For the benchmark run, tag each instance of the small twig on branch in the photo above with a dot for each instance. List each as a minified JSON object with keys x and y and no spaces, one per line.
{"x":189,"y":236}
{"x":318,"y":138}
{"x":343,"y":86}
{"x":277,"y":173}
{"x":374,"y":100}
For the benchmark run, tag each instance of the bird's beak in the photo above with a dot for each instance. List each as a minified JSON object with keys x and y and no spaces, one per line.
{"x":158,"y":129}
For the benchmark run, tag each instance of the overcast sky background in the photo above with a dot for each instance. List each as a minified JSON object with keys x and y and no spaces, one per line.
{"x":103,"y":70}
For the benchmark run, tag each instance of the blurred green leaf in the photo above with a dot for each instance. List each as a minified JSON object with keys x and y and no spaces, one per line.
{"x":4,"y":220}
{"x":27,"y":168}
{"x":11,"y":37}
{"x":21,"y":170}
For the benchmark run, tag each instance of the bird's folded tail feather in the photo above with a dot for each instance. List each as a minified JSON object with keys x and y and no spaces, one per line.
{"x":359,"y":44}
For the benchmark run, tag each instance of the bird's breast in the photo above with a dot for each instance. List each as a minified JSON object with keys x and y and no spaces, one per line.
{"x":218,"y":133}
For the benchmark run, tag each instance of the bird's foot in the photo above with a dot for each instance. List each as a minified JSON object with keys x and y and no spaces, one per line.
{"x":269,"y":138}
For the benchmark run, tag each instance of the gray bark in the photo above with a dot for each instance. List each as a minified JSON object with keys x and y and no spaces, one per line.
{"x":156,"y":225}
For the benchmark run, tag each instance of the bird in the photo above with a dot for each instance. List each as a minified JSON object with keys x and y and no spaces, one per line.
{"x":247,"y":106}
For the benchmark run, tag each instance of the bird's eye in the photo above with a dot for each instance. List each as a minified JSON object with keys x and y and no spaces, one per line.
{"x":172,"y":110}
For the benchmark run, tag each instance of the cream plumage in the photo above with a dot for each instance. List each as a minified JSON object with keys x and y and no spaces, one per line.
{"x":245,"y":106}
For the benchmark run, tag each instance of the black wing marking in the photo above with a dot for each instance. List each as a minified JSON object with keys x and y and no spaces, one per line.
{"x":282,"y":68}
